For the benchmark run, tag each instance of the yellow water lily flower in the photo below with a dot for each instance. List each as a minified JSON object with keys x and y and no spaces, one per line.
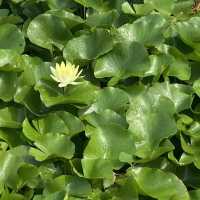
{"x":65,"y":74}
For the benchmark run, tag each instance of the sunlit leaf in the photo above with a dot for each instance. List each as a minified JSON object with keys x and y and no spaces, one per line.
{"x":81,"y":48}
{"x":11,"y":38}
{"x":149,"y":181}
{"x":47,"y":30}
{"x":150,"y":118}
{"x":52,"y":95}
{"x":103,"y":148}
{"x":70,"y":19}
{"x":7,"y":85}
{"x":11,"y":117}
{"x":147,"y":30}
{"x":123,"y":61}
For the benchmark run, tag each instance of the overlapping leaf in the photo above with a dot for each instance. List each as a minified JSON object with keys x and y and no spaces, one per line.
{"x":11,"y":38}
{"x":47,"y":30}
{"x":147,"y":30}
{"x":103,"y":149}
{"x":130,"y":129}
{"x":167,"y":185}
{"x":125,"y":60}
{"x":51,"y":135}
{"x":150,"y":118}
{"x":81,"y":48}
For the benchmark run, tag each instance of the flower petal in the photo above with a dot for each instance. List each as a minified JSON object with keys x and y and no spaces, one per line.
{"x":79,"y":73}
{"x":62,"y":84}
{"x":57,"y":66}
{"x":62,"y":66}
{"x":54,"y":78}
{"x":65,"y":74}
{"x":76,"y":69}
{"x":76,"y":83}
{"x":53,"y":70}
